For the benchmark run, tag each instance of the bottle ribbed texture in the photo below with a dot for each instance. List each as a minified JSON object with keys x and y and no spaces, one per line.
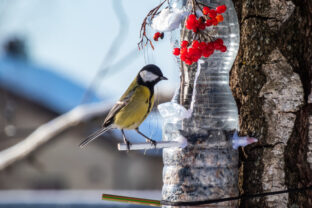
{"x":208,"y":167}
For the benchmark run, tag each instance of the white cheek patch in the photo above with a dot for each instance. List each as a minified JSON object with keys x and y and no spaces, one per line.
{"x":148,"y":76}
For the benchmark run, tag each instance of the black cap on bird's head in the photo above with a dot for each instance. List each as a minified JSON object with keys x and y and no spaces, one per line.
{"x":150,"y":75}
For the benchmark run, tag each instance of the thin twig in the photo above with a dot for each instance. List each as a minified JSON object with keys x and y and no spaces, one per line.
{"x":202,"y":4}
{"x":152,"y":13}
{"x":193,"y":7}
{"x":198,"y":4}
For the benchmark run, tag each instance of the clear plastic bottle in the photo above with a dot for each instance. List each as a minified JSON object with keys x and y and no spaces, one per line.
{"x":219,"y":102}
{"x":207,"y":167}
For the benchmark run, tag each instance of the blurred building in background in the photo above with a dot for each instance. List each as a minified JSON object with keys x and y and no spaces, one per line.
{"x":51,"y":53}
{"x":31,"y":95}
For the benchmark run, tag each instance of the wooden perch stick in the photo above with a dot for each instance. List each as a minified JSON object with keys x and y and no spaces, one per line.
{"x":49,"y":130}
{"x":145,"y":146}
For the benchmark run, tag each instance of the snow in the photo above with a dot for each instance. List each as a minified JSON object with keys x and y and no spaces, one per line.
{"x":169,"y":19}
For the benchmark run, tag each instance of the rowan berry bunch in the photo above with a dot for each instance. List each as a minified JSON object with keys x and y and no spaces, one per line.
{"x":210,"y":17}
{"x":202,"y":43}
{"x":197,"y":50}
{"x":201,"y":46}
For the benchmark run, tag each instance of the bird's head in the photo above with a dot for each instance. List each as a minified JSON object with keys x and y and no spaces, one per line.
{"x":150,"y":75}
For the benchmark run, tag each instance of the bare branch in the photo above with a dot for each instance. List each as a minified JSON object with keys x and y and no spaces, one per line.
{"x":151,"y":14}
{"x":49,"y":130}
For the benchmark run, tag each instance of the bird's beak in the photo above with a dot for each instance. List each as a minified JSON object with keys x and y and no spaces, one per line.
{"x":163,"y":78}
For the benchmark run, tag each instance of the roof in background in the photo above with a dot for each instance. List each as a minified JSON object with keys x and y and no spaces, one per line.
{"x":41,"y":85}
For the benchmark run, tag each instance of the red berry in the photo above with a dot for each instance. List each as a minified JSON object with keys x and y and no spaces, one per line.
{"x":192,"y":17}
{"x":202,"y":26}
{"x":219,"y":41}
{"x":194,"y":52}
{"x":189,"y":26}
{"x":176,"y":51}
{"x":191,"y":21}
{"x":194,"y":24}
{"x":221,"y":9}
{"x":156,"y":36}
{"x":219,"y":18}
{"x":188,"y":62}
{"x":217,"y":46}
{"x":195,"y":44}
{"x":208,"y":22}
{"x":212,"y":13}
{"x":202,"y":46}
{"x":223,"y":48}
{"x":207,"y":53}
{"x":184,"y":44}
{"x":214,"y":21}
{"x":210,"y":46}
{"x":206,"y":10}
{"x":183,"y":51}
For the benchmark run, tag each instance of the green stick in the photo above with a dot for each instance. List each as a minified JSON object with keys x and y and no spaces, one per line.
{"x":131,"y":200}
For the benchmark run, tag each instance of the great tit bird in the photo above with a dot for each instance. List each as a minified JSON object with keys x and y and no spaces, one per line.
{"x":133,"y":106}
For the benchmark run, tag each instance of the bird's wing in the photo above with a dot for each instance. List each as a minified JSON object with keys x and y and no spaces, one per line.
{"x":123,"y":101}
{"x":116,"y":108}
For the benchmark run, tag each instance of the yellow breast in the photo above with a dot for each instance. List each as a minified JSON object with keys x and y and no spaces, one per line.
{"x":134,"y":113}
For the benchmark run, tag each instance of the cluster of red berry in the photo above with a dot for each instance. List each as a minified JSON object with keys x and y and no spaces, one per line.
{"x":198,"y":49}
{"x":212,"y":17}
{"x":158,"y":35}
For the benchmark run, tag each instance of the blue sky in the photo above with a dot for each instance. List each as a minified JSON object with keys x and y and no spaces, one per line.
{"x":73,"y":37}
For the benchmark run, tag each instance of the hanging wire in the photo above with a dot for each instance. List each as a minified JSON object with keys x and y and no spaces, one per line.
{"x":156,"y":203}
{"x":243,"y":196}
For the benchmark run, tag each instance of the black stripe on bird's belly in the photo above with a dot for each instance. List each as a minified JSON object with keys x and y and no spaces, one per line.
{"x":150,"y":86}
{"x":149,"y":102}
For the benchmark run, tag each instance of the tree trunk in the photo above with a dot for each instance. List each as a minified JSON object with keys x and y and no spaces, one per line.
{"x":271,"y":82}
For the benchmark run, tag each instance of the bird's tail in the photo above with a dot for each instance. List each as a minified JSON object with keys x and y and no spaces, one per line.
{"x":93,"y":136}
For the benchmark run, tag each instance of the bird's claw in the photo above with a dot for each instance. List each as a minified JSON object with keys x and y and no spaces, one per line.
{"x":153,"y":142}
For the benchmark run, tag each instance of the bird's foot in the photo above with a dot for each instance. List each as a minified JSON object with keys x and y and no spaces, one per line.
{"x":153,"y":142}
{"x":128,"y":145}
